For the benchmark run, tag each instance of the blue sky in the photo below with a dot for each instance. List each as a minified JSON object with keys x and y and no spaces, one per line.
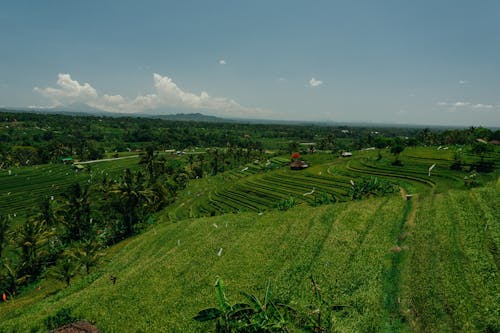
{"x":413,"y":62}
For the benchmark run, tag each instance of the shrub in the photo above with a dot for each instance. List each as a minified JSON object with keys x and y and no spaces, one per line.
{"x":61,"y":318}
{"x":367,"y":187}
{"x":286,"y":204}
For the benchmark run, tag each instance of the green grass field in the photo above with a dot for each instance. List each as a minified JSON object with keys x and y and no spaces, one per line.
{"x":429,"y":264}
{"x":23,"y":187}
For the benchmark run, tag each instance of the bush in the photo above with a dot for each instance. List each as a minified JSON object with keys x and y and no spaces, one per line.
{"x":367,"y":187}
{"x":286,"y":204}
{"x":61,"y":318}
{"x":323,"y":198}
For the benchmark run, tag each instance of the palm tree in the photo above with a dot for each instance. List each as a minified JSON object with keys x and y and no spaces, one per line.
{"x":11,"y":277}
{"x":87,"y":254}
{"x":46,"y":212}
{"x":64,"y":270}
{"x":149,"y":160}
{"x":32,"y":239}
{"x":130,"y":198}
{"x":4,"y":230}
{"x":76,"y":212}
{"x":397,"y":148}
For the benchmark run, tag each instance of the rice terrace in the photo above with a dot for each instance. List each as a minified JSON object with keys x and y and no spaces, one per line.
{"x":382,"y":240}
{"x":249,"y":166}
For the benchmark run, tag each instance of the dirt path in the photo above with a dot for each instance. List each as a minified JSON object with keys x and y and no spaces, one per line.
{"x":107,"y":159}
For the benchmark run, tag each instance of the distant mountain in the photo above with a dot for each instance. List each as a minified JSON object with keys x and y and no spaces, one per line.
{"x":82,"y":109}
{"x":189,"y":117}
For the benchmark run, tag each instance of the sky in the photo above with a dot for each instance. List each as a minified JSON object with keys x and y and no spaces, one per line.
{"x":427,"y":62}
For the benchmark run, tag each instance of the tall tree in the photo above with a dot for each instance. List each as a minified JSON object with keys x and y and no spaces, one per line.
{"x":397,"y":148}
{"x":130,"y":198}
{"x":4,"y":230}
{"x":32,"y":240}
{"x":76,"y":212}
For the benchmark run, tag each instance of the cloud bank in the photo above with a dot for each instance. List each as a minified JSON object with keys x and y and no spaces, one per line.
{"x":461,"y":105}
{"x":166,"y":95}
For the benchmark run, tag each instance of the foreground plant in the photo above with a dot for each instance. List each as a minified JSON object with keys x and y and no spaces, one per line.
{"x":268,"y":316}
{"x":254,"y":316}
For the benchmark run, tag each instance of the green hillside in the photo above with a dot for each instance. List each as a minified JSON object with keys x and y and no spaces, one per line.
{"x":428,"y":264}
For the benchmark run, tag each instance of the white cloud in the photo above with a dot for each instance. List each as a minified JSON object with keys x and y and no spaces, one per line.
{"x":315,"y":83}
{"x":222,"y":62}
{"x":68,"y":91}
{"x":461,"y":105}
{"x":167,"y":95}
{"x":482,"y":106}
{"x":462,"y":82}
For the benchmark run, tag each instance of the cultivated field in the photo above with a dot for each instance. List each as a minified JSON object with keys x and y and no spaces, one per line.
{"x":429,"y":264}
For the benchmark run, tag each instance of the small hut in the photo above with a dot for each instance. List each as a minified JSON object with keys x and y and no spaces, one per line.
{"x":298,"y":165}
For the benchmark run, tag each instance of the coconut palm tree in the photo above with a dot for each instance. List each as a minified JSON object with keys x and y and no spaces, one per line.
{"x":130,"y":198}
{"x":4,"y":231}
{"x":32,"y":240}
{"x":76,"y":213}
{"x":87,"y":254}
{"x":64,"y":270}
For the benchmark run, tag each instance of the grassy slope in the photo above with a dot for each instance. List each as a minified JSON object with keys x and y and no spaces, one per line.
{"x":161,"y":284}
{"x":451,"y":281}
{"x":444,"y":279}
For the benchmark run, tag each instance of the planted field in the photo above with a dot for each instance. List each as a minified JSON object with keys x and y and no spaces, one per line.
{"x":257,"y":189}
{"x":22,"y":187}
{"x":454,"y":259}
{"x":166,"y":275}
{"x":427,"y":265}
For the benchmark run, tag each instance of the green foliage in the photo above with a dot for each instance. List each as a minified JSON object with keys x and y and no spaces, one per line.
{"x":76,"y":212}
{"x":266,"y":315}
{"x":286,"y":204}
{"x":60,"y":318}
{"x":472,"y":180}
{"x":64,"y":269}
{"x":322,"y":198}
{"x":32,"y":240}
{"x":4,"y":230}
{"x":482,"y":149}
{"x":372,"y":186}
{"x":397,"y":148}
{"x":87,"y":254}
{"x":254,"y":316}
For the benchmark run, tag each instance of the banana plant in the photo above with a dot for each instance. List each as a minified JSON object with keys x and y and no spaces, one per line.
{"x":228,"y":318}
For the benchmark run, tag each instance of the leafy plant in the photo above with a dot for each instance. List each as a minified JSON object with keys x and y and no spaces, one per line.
{"x":227,"y":317}
{"x":61,"y":318}
{"x":286,"y":204}
{"x":323,"y":198}
{"x":266,"y":315}
{"x":370,"y":186}
{"x":64,"y":270}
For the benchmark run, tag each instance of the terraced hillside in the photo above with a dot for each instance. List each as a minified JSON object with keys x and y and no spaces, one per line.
{"x":22,"y":187}
{"x":428,"y":264}
{"x":257,"y":189}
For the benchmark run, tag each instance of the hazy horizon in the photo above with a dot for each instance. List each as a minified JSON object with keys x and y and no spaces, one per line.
{"x":420,"y":63}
